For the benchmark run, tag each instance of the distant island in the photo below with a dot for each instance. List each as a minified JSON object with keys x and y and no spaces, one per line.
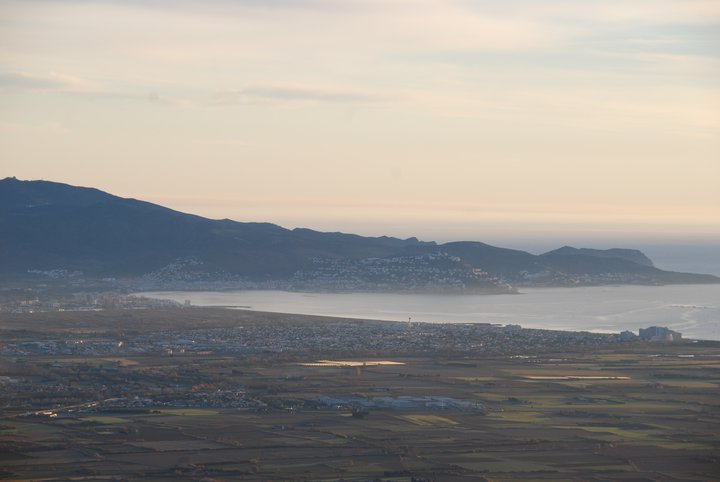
{"x":55,"y":233}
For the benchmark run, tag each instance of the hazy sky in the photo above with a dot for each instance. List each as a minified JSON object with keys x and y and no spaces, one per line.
{"x":488,"y":120}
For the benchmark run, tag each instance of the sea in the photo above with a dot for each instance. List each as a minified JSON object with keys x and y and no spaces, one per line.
{"x":693,"y":310}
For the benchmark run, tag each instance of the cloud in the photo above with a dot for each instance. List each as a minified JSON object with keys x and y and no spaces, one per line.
{"x":344,"y":27}
{"x":612,"y":11}
{"x":55,"y":83}
{"x":224,"y":4}
{"x":294,"y":94}
{"x":701,"y":11}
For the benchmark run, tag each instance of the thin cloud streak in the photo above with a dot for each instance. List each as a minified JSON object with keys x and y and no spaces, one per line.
{"x":292,"y":94}
{"x":55,"y":83}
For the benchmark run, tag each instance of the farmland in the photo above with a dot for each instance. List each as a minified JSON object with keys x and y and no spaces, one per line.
{"x":630,"y":411}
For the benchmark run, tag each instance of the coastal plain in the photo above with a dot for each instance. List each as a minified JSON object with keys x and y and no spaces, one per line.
{"x":206,"y":394}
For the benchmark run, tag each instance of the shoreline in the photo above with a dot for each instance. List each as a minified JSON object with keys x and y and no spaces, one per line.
{"x":605,"y":309}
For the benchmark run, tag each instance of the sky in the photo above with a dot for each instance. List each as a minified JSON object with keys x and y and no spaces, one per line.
{"x":521,"y":122}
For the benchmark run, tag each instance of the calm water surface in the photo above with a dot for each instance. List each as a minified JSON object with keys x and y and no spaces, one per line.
{"x":693,"y":310}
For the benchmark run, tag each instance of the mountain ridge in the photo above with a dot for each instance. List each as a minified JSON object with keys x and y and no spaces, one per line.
{"x":634,"y":255}
{"x":51,"y":228}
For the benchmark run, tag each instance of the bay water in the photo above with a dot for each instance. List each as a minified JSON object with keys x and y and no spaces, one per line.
{"x":694,"y":310}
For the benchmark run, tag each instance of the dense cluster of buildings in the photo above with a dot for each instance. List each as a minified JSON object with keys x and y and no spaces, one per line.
{"x":653,"y":333}
{"x":423,"y":272}
{"x":332,"y":337}
{"x":429,"y":271}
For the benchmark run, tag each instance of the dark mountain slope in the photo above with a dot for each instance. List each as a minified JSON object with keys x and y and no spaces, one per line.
{"x":633,"y":255}
{"x":51,"y":228}
{"x":49,"y":225}
{"x":567,"y":265}
{"x":15,"y":194}
{"x":499,"y":261}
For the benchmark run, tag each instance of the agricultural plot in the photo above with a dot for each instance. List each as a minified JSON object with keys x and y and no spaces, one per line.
{"x":635,"y":412}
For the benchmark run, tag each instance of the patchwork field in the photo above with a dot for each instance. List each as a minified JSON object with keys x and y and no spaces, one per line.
{"x":639,"y":412}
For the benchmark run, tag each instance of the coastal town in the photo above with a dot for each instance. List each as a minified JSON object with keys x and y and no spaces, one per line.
{"x":348,"y":336}
{"x":77,"y":354}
